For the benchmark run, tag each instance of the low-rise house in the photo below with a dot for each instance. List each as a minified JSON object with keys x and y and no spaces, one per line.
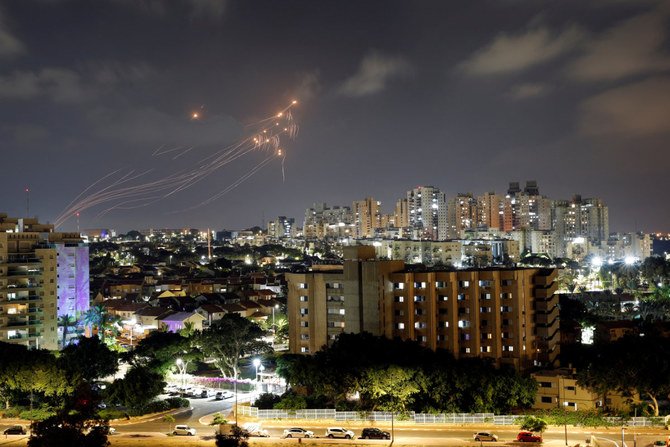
{"x":558,"y":388}
{"x":177,"y":321}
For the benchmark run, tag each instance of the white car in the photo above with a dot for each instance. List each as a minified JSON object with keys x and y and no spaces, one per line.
{"x":255,"y":430}
{"x":184,"y":430}
{"x":221,"y":395}
{"x":296,"y":432}
{"x":339,"y":432}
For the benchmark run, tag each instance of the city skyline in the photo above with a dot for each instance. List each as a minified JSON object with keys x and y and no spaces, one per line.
{"x":391,"y":95}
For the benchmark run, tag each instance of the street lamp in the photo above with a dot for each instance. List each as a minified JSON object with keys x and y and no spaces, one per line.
{"x":256,"y":362}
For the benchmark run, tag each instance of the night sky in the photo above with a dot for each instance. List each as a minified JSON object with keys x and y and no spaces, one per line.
{"x":462,"y":95}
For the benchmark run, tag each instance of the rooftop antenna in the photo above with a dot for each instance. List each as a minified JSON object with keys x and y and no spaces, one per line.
{"x":27,"y":201}
{"x":78,"y":222}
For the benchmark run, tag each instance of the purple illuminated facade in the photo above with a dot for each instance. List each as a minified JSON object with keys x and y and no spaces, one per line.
{"x":73,"y":279}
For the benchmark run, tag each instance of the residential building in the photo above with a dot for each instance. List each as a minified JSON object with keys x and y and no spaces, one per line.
{"x":558,"y":388}
{"x":461,"y":215}
{"x":508,"y":315}
{"x":367,"y":217}
{"x":281,"y":227}
{"x":427,"y":216}
{"x":32,"y":294}
{"x":489,"y":211}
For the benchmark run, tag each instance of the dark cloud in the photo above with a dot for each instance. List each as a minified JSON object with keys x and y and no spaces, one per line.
{"x":632,"y":47}
{"x":529,"y":90}
{"x":374,"y":73}
{"x":512,"y":53}
{"x":9,"y":44}
{"x":639,"y":109}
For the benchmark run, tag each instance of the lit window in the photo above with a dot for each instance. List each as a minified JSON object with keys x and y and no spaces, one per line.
{"x":304,"y":298}
{"x":401,"y":325}
{"x":399,"y":299}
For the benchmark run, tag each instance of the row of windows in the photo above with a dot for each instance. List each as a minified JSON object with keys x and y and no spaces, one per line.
{"x":487,"y":283}
{"x":443,"y":298}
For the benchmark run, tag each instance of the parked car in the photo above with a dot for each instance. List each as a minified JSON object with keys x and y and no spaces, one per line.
{"x":526,"y":436}
{"x":221,"y":395}
{"x":255,"y":430}
{"x":296,"y":432}
{"x":374,"y":433}
{"x":485,"y":436}
{"x":339,"y":432}
{"x":204,"y":393}
{"x":105,"y":428}
{"x":15,"y":430}
{"x":184,"y":430}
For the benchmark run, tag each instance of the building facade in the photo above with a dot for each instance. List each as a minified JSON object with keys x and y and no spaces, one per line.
{"x":33,"y":293}
{"x":508,"y":315}
{"x":427,"y":213}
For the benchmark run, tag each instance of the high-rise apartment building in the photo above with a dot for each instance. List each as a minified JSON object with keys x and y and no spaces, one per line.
{"x":580,"y":218}
{"x":461,"y":215}
{"x":509,"y":314}
{"x":323,"y":222}
{"x":526,"y":209}
{"x":282,"y":227}
{"x":489,"y":208}
{"x":401,"y":214}
{"x":43,"y":275}
{"x":367,"y":217}
{"x":427,"y":215}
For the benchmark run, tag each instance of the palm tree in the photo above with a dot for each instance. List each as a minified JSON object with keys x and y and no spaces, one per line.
{"x":66,"y":321}
{"x":100,"y":318}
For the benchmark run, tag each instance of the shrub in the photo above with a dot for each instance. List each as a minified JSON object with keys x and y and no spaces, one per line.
{"x":36,"y":414}
{"x":112,"y":413}
{"x":12,"y":412}
{"x":266,"y":401}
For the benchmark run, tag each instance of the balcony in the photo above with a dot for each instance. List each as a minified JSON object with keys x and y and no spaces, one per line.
{"x":23,"y":260}
{"x":23,"y":299}
{"x":545,"y":277}
{"x":547,"y":318}
{"x":545,"y":292}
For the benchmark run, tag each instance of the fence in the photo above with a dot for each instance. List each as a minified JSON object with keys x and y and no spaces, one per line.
{"x":422,"y":418}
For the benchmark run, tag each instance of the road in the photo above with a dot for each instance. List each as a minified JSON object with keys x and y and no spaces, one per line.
{"x":154,"y":431}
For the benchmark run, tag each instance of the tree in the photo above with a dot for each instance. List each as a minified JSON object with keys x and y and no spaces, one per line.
{"x":534,"y":423}
{"x":66,"y":322}
{"x":169,"y":419}
{"x":99,"y":317}
{"x":88,"y":360}
{"x":69,"y":429}
{"x":237,"y":438}
{"x":139,"y":387}
{"x":390,"y":389}
{"x":160,"y":350}
{"x":229,"y":339}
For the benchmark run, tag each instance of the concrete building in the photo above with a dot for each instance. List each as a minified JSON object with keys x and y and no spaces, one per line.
{"x":559,"y":389}
{"x":43,"y":275}
{"x":488,"y":211}
{"x":580,"y":218}
{"x":427,"y":215}
{"x":324,"y":302}
{"x":367,"y":217}
{"x":281,"y":227}
{"x":509,"y":315}
{"x":461,"y":215}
